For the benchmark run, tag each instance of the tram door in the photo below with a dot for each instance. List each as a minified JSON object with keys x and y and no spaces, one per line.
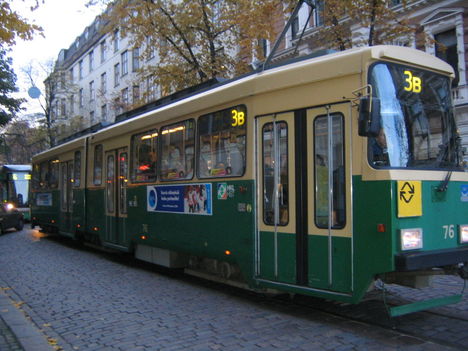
{"x":276,"y":238}
{"x":304,"y":222}
{"x":116,"y":196}
{"x":66,"y":196}
{"x":328,"y":200}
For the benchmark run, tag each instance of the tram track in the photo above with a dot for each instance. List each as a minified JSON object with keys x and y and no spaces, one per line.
{"x":437,"y":326}
{"x":443,"y":326}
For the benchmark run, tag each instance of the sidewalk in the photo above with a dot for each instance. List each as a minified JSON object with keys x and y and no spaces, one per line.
{"x":16,"y":332}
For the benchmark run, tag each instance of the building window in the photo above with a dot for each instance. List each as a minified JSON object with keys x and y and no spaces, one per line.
{"x":104,"y":112}
{"x":446,"y":49}
{"x":91,"y":60}
{"x":72,"y":78}
{"x":149,"y":49}
{"x":264,"y":45}
{"x":52,"y":113}
{"x":117,"y":106}
{"x":116,"y":74}
{"x":136,"y":93}
{"x":295,"y":28}
{"x":62,"y":80}
{"x":103,"y":51}
{"x":125,"y":96}
{"x":72,"y":104}
{"x":103,"y":83}
{"x":318,"y":13}
{"x":80,"y":97}
{"x":92,"y":92}
{"x":135,"y":59}
{"x":150,"y":89}
{"x":80,"y":69}
{"x":116,"y":41}
{"x":124,"y":61}
{"x":91,"y":117}
{"x":63,"y":107}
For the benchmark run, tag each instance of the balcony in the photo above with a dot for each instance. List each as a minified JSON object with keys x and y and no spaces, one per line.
{"x":460,"y":95}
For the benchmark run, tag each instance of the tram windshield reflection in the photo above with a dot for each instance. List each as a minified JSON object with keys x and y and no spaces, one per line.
{"x":417,"y":126}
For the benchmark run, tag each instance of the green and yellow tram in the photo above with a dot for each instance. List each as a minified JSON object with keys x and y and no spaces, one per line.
{"x":315,"y":177}
{"x":14,"y":187}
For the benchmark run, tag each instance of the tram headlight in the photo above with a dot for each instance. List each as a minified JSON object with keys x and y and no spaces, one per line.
{"x":411,"y":239}
{"x":463,"y":233}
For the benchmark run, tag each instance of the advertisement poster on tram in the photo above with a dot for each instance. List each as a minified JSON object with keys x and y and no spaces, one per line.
{"x":194,"y":199}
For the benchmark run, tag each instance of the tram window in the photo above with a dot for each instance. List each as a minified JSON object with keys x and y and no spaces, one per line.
{"x":44,"y":175}
{"x":275,"y":173}
{"x":222,"y":143}
{"x":144,"y":156}
{"x":36,"y":176}
{"x":110,"y":191}
{"x":123,"y":177}
{"x":77,"y":169}
{"x":97,"y":172}
{"x":177,"y":145}
{"x":53,"y":174}
{"x":329,"y":185}
{"x":64,"y":186}
{"x":69,"y":185}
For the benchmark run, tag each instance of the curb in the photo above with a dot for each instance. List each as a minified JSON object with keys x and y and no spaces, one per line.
{"x":26,"y":333}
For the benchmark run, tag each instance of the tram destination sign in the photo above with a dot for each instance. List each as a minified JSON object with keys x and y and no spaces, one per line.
{"x":192,"y":199}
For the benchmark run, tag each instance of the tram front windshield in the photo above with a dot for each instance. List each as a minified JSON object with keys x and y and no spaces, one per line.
{"x":416,"y":122}
{"x":18,"y":188}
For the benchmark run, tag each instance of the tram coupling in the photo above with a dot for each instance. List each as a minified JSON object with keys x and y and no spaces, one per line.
{"x":463,"y":270}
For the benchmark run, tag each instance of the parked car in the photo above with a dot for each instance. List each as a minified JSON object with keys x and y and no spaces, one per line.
{"x":10,"y":217}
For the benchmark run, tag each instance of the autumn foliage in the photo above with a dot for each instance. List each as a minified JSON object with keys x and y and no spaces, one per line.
{"x":195,"y":40}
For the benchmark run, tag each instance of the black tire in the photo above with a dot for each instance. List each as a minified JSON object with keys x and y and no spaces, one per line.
{"x":20,"y":225}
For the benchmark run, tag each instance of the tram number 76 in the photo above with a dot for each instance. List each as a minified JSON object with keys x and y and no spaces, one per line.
{"x":449,"y":231}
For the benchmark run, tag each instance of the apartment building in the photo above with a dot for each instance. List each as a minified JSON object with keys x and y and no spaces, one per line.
{"x":95,"y":79}
{"x":99,"y":72}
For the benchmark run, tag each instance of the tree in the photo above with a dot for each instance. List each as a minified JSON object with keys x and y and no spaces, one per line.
{"x":9,"y":106}
{"x":13,"y":26}
{"x":336,"y":32}
{"x":195,"y":40}
{"x":384,"y":24}
{"x":378,"y":19}
{"x":21,"y":140}
{"x":45,"y":100}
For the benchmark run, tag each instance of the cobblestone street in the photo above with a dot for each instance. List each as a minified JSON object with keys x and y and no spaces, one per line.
{"x":81,"y":299}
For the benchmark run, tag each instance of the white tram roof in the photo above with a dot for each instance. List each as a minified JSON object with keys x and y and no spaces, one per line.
{"x":17,"y":168}
{"x":280,"y":77}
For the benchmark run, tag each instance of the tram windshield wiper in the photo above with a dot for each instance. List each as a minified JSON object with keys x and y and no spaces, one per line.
{"x":443,"y":186}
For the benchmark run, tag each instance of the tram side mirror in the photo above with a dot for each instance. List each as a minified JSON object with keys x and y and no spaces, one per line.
{"x":369,"y":116}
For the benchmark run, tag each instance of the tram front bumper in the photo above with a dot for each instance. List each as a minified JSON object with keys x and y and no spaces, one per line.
{"x":419,"y":260}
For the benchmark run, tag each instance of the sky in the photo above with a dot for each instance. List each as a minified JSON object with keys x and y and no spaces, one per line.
{"x":62,"y":21}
